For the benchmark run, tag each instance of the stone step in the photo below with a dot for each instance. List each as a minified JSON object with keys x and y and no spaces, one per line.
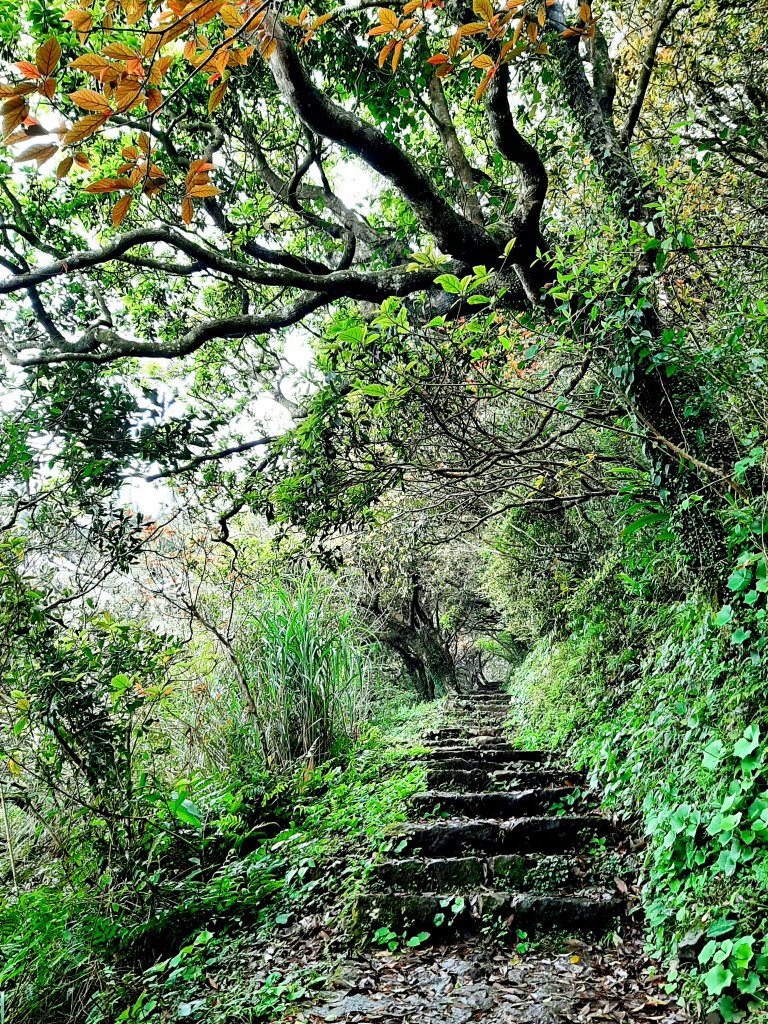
{"x":591,"y":913}
{"x":552,"y":874}
{"x":502,"y":805}
{"x":540,"y":834}
{"x":465,"y":731}
{"x":484,"y":779}
{"x":476,"y":756}
{"x":478,"y":742}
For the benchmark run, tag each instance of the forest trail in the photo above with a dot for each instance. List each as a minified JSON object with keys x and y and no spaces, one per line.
{"x":519,"y":881}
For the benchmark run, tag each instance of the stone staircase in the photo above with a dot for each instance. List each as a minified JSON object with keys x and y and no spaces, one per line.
{"x":502,"y":838}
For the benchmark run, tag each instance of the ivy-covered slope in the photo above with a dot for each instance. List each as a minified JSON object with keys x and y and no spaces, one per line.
{"x":665,"y":710}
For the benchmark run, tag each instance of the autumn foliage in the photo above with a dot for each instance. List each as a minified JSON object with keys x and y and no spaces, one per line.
{"x":210,"y":40}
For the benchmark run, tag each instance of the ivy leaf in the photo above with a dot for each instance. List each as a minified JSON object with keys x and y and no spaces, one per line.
{"x":717,"y":979}
{"x":724,"y":616}
{"x":713,"y":754}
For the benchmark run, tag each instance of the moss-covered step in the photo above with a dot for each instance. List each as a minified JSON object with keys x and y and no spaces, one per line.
{"x":442,"y":915}
{"x":455,"y":838}
{"x":478,"y":755}
{"x":552,"y":874}
{"x":509,"y":780}
{"x":504,"y":805}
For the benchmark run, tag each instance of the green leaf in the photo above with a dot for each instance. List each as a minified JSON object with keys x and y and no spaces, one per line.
{"x":740,"y":635}
{"x":417,"y":940}
{"x":717,"y":979}
{"x":748,"y":743}
{"x":724,"y":616}
{"x":449,"y":283}
{"x":713,"y":754}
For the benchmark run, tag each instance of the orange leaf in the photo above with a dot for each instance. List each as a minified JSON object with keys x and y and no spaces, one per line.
{"x":119,"y":51}
{"x":64,"y":167}
{"x":518,"y":30}
{"x":83,"y":128}
{"x":584,"y":12}
{"x":128,"y":95}
{"x":186,"y":210}
{"x":379,"y":30}
{"x":203,"y":191}
{"x":443,"y":70}
{"x":231,"y":16}
{"x":482,"y":61}
{"x":386,"y":52}
{"x":92,"y":64}
{"x":39,"y":154}
{"x":542,"y":16}
{"x":120,"y":209}
{"x":158,"y":70}
{"x":483,"y":9}
{"x":484,"y":84}
{"x":396,"y":54}
{"x":154,"y":100}
{"x":47,"y":88}
{"x":411,"y":6}
{"x":438,"y":58}
{"x":26,"y":69}
{"x":198,"y":167}
{"x":107,"y":185}
{"x":388,"y":19}
{"x":47,"y":57}
{"x":454,"y":43}
{"x":88,"y":99}
{"x":81,"y":21}
{"x":13,"y":115}
{"x":82,"y":161}
{"x":533,"y":31}
{"x":473,"y":28}
{"x":216,"y":97}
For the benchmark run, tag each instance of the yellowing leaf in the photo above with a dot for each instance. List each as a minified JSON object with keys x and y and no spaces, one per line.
{"x":454,"y":43}
{"x":39,"y":154}
{"x":533,"y":31}
{"x":396,"y":54}
{"x":386,"y":52}
{"x":83,"y":129}
{"x":216,"y":96}
{"x":483,"y":9}
{"x":584,"y":12}
{"x":186,"y":210}
{"x":88,"y":99}
{"x":104,"y":185}
{"x":47,"y":57}
{"x":231,"y":16}
{"x":120,"y":209}
{"x":120,"y":51}
{"x":484,"y":84}
{"x":92,"y":64}
{"x":64,"y":167}
{"x":473,"y":28}
{"x":388,"y":19}
{"x":482,"y":61}
{"x":81,"y":21}
{"x":203,"y":191}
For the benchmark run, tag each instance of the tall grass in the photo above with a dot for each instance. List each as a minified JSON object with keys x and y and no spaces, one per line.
{"x":306,"y":660}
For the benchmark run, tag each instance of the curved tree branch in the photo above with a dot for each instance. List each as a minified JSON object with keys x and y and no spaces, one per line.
{"x":664,"y":16}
